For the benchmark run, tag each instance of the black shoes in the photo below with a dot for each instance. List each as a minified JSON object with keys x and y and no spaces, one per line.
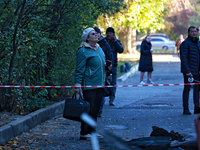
{"x":111,"y":103}
{"x":100,"y":114}
{"x":186,"y":111}
{"x":196,"y":110}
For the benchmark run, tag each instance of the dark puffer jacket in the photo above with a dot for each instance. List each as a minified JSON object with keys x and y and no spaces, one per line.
{"x":116,"y":47}
{"x":106,"y":48}
{"x":189,"y":54}
{"x":145,"y":63}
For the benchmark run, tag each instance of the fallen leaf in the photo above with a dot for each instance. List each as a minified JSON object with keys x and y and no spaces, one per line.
{"x":22,"y":147}
{"x":10,"y":142}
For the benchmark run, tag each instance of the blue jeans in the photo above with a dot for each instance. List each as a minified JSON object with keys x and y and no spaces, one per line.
{"x":114,"y":82}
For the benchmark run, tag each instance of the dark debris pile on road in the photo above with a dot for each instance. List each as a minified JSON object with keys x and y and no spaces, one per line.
{"x":161,"y":139}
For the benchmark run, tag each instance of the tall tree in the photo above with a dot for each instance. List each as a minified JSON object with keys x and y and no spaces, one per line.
{"x":178,"y":17}
{"x":138,"y":15}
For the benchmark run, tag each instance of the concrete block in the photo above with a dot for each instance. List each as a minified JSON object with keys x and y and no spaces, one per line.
{"x":132,"y":71}
{"x":56,"y":109}
{"x":21,"y":125}
{"x":6,"y":133}
{"x":44,"y":114}
{"x":30,"y":121}
{"x":36,"y":117}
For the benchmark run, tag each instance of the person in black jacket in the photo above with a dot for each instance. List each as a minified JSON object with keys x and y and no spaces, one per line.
{"x":189,"y":54}
{"x":109,"y":57}
{"x":116,"y":47}
{"x":145,"y":62}
{"x":104,"y":45}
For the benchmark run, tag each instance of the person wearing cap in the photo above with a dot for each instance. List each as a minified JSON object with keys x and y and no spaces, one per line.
{"x":109,"y":57}
{"x":190,"y":59}
{"x":116,"y":47}
{"x":90,"y":70}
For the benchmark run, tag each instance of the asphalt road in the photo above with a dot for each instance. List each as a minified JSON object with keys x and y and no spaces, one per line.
{"x":136,"y":110}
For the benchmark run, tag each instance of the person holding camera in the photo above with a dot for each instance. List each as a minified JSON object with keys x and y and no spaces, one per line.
{"x":116,"y":47}
{"x":90,"y":70}
{"x":189,"y":55}
{"x":109,"y":58}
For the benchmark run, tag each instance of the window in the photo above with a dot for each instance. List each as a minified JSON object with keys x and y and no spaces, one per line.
{"x":157,"y":40}
{"x":156,"y":35}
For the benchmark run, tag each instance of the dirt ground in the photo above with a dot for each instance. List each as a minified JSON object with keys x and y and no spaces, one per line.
{"x":7,"y":117}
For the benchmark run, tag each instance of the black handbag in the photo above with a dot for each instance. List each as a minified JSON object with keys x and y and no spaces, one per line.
{"x":75,"y":107}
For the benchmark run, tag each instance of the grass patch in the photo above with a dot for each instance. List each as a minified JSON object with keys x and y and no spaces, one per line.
{"x":163,"y":51}
{"x":132,"y":63}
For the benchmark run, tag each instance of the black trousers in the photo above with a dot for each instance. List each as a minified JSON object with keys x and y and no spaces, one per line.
{"x":94,"y":97}
{"x":186,"y":91}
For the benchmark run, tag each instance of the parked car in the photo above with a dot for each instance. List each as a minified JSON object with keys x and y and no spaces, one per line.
{"x":156,"y":35}
{"x":159,"y":43}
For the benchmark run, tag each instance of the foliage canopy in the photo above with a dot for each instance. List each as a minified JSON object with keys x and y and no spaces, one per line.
{"x":39,"y":39}
{"x":139,"y":15}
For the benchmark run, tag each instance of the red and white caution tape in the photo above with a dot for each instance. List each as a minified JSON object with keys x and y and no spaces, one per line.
{"x":94,"y":86}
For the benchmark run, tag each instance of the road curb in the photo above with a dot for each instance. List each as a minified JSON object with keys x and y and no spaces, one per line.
{"x":29,"y":121}
{"x":132,"y":71}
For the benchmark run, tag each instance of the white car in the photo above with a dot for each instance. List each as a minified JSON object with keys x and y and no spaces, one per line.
{"x":156,"y":35}
{"x":159,"y":43}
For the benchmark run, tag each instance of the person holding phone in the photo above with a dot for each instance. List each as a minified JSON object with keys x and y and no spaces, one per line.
{"x":116,"y":47}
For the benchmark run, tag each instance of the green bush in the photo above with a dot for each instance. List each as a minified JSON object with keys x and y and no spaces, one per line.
{"x":39,"y":40}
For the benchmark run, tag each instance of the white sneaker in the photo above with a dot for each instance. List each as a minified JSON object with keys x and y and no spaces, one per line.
{"x":85,"y":137}
{"x":88,"y":137}
{"x":151,"y":82}
{"x":99,"y":136}
{"x":142,"y":82}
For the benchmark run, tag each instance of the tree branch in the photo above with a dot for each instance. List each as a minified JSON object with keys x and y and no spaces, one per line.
{"x":15,"y":43}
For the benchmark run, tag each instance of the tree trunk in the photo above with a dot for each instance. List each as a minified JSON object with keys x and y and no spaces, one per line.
{"x":125,"y":41}
{"x":16,"y":38}
{"x":129,"y":40}
{"x":50,"y":53}
{"x":134,"y":39}
{"x":122,"y":38}
{"x":137,"y":36}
